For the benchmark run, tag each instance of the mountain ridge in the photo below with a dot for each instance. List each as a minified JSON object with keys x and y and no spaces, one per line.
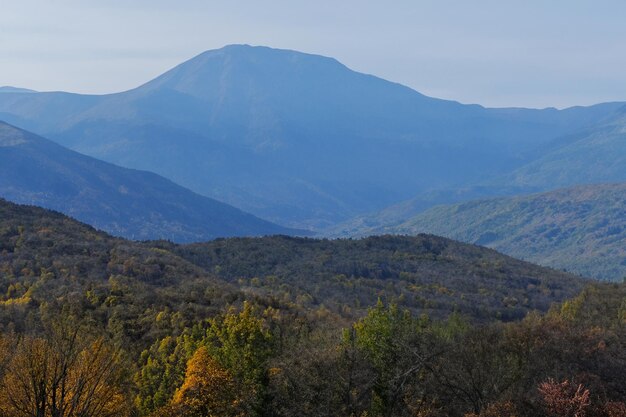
{"x":296,"y":138}
{"x":581,"y":229}
{"x":122,"y":201}
{"x":425,"y":273}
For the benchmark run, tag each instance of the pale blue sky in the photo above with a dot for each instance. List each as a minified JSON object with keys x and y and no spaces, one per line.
{"x":534,"y":53}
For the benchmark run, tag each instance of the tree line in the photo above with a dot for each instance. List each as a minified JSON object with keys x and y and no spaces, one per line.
{"x":261,"y":361}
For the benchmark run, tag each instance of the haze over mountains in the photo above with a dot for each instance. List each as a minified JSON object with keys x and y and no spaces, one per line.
{"x":122,"y":201}
{"x":306,"y":142}
{"x":593,"y":155}
{"x":301,"y":139}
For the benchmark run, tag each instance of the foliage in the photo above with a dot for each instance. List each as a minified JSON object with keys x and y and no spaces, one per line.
{"x":208,"y":390}
{"x":64,"y":375}
{"x":565,"y":399}
{"x":285,"y":344}
{"x":580,"y":229}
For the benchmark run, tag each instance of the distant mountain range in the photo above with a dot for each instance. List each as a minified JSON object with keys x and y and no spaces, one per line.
{"x":121,"y":201}
{"x":592,"y":155}
{"x":581,"y":229}
{"x":301,"y":139}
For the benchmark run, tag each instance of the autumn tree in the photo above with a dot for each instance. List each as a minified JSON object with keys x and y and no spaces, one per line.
{"x":63,"y":375}
{"x":163,"y":367}
{"x":208,"y":390}
{"x":565,"y":399}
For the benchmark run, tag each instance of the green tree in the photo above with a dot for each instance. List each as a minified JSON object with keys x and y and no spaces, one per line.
{"x":397,"y":346}
{"x":163,"y":367}
{"x":243,"y":345}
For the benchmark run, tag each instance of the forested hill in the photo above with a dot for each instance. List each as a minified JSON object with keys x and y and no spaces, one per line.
{"x":45,"y":256}
{"x":425,"y":273}
{"x":51,"y":262}
{"x":581,"y":229}
{"x":286,"y":326}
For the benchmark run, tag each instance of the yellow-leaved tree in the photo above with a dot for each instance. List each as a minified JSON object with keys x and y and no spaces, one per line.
{"x":64,"y":375}
{"x":208,"y":391}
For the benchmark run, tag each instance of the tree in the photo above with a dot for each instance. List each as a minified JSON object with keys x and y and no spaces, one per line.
{"x":564,"y":399}
{"x":242,"y":345}
{"x":208,"y":390}
{"x":396,"y":345}
{"x":163,"y":367}
{"x":64,"y":375}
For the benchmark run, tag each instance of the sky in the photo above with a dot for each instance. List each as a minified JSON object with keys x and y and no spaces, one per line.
{"x":498,"y":53}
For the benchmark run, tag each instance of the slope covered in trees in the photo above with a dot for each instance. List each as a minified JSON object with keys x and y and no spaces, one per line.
{"x":596,"y":154}
{"x":425,"y":273}
{"x":93,"y":325}
{"x":46,"y":255}
{"x":581,"y":229}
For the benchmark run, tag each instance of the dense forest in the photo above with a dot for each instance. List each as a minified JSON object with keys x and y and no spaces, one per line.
{"x":94,"y":325}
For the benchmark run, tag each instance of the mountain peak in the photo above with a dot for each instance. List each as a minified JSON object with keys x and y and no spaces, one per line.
{"x":261,"y":51}
{"x":242,"y":66}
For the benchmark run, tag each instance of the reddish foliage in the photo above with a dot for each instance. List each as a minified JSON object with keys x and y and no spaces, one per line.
{"x":564,"y":399}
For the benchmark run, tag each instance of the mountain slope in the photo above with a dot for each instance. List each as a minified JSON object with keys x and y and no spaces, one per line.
{"x":45,"y":256}
{"x":582,"y":229}
{"x":294,"y":137}
{"x":594,"y":155}
{"x":424,"y":273}
{"x":125,"y":202}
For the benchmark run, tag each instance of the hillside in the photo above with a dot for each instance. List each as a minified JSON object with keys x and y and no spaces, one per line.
{"x":372,"y":223}
{"x":295,"y":318}
{"x":124,"y":202}
{"x":295,"y":138}
{"x":581,"y":229}
{"x":594,"y":155}
{"x":424,"y":273}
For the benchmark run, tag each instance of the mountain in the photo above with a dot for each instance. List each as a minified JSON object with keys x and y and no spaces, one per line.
{"x":9,"y":89}
{"x":370,"y":223}
{"x":295,"y":138}
{"x":124,"y":202}
{"x":581,"y":229}
{"x":594,"y":155}
{"x":50,"y":255}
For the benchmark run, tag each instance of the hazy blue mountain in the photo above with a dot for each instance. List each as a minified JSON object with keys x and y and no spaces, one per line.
{"x":370,"y":223}
{"x":121,"y":201}
{"x":9,"y":89}
{"x":593,"y":155}
{"x":581,"y":229}
{"x":295,"y":137}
